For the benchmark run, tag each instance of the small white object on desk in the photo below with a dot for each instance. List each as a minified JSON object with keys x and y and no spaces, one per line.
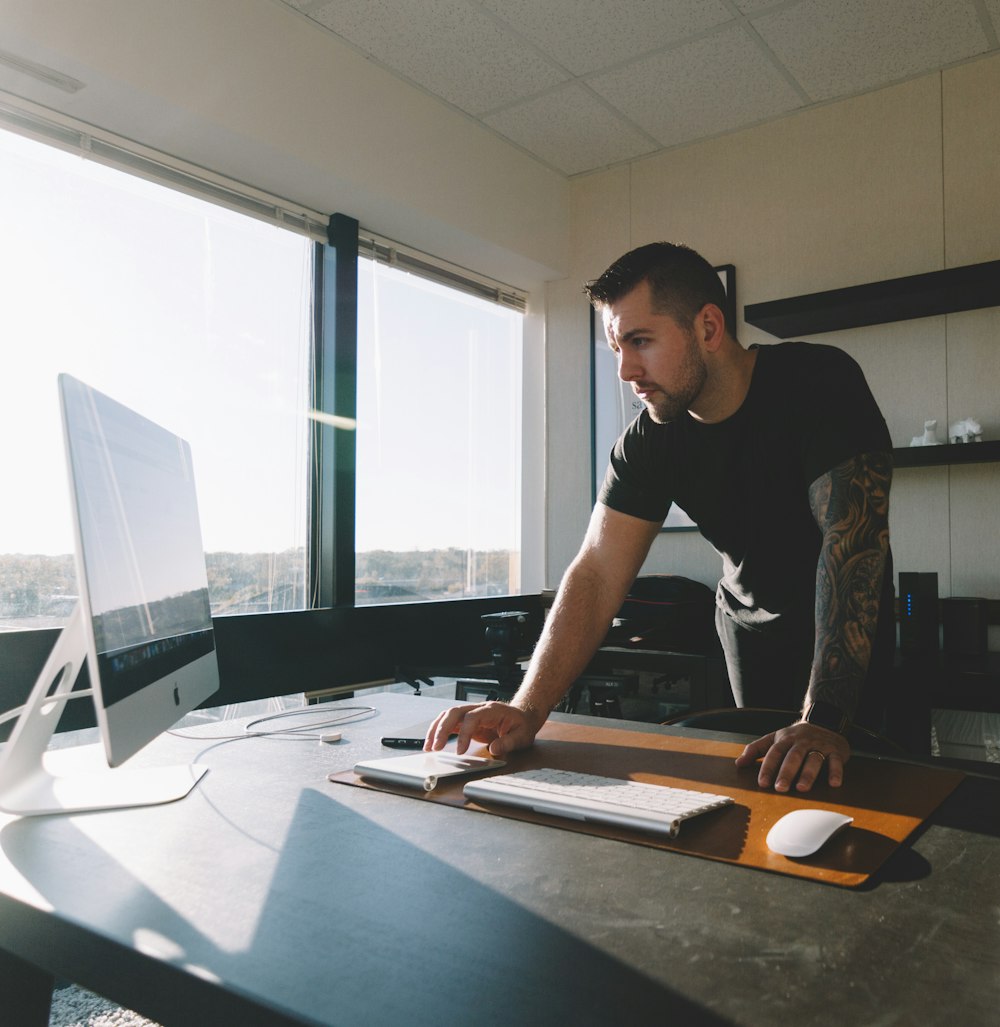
{"x":803,"y":831}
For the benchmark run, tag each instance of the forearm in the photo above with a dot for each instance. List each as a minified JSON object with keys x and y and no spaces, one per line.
{"x":851,"y":506}
{"x":576,"y":625}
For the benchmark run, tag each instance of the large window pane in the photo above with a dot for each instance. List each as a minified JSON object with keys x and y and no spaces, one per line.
{"x":439,"y":441}
{"x":195,"y":316}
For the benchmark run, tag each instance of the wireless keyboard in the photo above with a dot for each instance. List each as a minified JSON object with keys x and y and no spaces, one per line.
{"x":605,"y":800}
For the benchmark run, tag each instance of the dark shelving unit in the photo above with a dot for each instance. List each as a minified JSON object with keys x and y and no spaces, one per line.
{"x":897,"y":299}
{"x":935,"y":456}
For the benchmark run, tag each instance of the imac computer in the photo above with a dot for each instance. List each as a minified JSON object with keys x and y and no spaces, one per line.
{"x":142,"y":620}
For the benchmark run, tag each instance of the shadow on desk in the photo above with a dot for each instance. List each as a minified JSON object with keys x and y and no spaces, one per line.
{"x":972,"y":807}
{"x":347,"y":921}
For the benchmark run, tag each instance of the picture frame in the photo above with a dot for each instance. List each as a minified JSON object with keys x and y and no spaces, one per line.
{"x":613,"y":405}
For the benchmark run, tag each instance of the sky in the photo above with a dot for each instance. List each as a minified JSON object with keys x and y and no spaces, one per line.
{"x":438,"y":417}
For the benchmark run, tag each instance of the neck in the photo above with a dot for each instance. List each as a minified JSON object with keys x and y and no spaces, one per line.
{"x":730,"y":374}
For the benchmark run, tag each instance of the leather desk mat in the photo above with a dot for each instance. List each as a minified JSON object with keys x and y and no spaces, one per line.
{"x":888,"y":800}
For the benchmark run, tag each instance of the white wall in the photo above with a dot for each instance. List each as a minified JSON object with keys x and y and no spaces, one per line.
{"x":253,"y":90}
{"x":898,"y":182}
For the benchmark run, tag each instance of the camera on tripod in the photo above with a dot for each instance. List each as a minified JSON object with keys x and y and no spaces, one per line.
{"x":506,"y":636}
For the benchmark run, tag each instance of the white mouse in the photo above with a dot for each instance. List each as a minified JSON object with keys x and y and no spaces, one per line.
{"x":803,"y":831}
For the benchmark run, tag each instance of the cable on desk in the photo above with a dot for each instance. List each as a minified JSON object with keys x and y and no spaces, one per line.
{"x":313,"y":731}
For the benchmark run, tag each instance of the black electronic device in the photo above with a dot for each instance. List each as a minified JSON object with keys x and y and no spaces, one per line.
{"x":824,"y":714}
{"x":966,"y":625}
{"x":505,"y":636}
{"x":403,"y":743}
{"x":918,"y":612}
{"x":508,"y":642}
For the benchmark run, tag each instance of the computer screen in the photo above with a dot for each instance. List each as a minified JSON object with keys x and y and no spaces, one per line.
{"x":142,"y":619}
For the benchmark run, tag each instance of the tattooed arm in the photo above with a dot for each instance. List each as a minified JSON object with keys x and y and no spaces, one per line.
{"x":851,"y":507}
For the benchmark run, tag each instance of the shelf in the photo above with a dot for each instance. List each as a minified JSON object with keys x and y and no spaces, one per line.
{"x":898,"y":299}
{"x":934,"y":456}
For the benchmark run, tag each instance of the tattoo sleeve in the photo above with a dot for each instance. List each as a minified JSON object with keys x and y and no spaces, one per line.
{"x":851,"y":507}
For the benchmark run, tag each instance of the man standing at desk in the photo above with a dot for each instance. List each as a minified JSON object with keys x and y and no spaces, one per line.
{"x":782,"y":458}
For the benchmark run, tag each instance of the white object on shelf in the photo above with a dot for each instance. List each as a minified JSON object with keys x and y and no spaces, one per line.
{"x":929,"y":437}
{"x":969,"y":430}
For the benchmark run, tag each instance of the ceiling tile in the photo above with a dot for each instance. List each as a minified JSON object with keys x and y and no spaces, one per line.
{"x":572,"y":130}
{"x":652,"y":73}
{"x":705,"y":87}
{"x":449,"y":47}
{"x":586,"y":35}
{"x":843,"y":48}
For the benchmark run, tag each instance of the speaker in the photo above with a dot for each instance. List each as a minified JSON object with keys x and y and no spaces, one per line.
{"x":965,"y":625}
{"x":918,"y":612}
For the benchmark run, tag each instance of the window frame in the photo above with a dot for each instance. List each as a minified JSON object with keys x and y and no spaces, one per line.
{"x":332,"y":644}
{"x":333,"y":456}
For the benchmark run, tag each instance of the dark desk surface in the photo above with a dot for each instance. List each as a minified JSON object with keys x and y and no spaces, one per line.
{"x":270,"y":896}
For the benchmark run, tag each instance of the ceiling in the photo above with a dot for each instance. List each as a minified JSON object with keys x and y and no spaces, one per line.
{"x":586,"y":84}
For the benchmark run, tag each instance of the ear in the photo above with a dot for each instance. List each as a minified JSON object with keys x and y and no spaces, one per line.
{"x":711,"y":324}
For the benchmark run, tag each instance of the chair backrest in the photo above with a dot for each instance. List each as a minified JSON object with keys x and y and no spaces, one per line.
{"x":667,"y":611}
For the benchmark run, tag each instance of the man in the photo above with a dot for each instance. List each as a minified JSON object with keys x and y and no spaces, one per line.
{"x":782,"y":458}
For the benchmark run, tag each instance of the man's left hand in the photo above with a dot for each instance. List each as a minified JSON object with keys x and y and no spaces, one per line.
{"x":799,"y":751}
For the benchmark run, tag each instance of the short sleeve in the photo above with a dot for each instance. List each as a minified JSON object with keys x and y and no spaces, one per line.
{"x":635,"y":482}
{"x":840,"y":415}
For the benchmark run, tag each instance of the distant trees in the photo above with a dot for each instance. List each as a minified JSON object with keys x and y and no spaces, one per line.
{"x":436,"y":573}
{"x":35,"y":587}
{"x":256,"y":582}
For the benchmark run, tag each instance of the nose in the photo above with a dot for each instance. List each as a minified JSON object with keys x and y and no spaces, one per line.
{"x":629,"y":368}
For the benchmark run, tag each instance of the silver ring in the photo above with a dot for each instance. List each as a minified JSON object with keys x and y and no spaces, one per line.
{"x":816,"y":752}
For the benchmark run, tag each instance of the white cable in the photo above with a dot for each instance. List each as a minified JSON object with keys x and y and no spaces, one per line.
{"x":298,"y":732}
{"x":316,"y":731}
{"x":18,"y":710}
{"x":11,"y":714}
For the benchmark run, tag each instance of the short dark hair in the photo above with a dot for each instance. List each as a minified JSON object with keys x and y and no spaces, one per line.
{"x":681,"y":280}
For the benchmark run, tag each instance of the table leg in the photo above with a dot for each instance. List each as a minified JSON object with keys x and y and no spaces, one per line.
{"x":26,"y":992}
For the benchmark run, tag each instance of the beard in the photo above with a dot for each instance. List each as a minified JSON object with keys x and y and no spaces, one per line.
{"x":667,"y":404}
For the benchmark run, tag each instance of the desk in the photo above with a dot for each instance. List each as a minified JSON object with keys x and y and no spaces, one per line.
{"x":270,"y":896}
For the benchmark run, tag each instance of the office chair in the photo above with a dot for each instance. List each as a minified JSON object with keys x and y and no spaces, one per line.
{"x":750,"y":720}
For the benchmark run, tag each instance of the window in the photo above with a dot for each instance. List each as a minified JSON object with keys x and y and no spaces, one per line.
{"x":438,"y":503}
{"x":194,"y":315}
{"x":200,"y":317}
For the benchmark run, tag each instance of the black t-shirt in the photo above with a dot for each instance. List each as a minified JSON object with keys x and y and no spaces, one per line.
{"x":745,"y":481}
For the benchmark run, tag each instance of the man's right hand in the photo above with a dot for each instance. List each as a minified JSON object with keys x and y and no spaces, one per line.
{"x":501,"y":726}
{"x":590,"y":593}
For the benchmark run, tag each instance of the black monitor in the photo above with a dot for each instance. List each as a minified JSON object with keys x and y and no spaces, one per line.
{"x":142,"y":620}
